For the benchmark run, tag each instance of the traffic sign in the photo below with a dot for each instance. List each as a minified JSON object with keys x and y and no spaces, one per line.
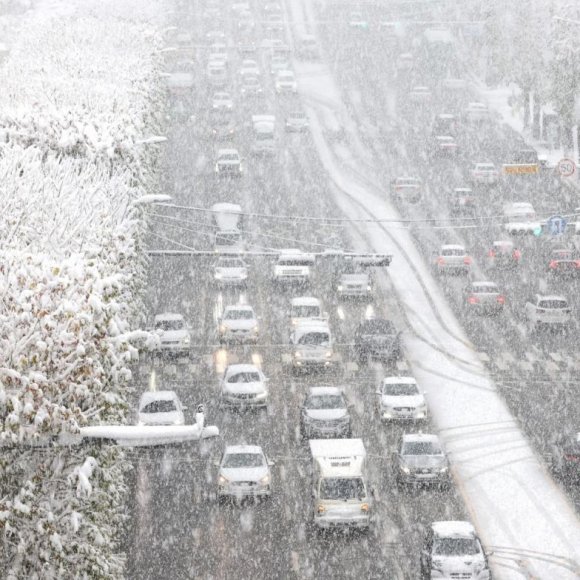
{"x":566,"y":167}
{"x":556,"y":225}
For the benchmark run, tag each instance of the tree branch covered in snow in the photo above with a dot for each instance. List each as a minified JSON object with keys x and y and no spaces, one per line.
{"x":81,"y":92}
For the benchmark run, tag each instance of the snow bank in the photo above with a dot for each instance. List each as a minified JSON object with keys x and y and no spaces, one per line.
{"x":81,"y":97}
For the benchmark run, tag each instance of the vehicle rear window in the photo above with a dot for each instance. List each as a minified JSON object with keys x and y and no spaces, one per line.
{"x":159,"y":407}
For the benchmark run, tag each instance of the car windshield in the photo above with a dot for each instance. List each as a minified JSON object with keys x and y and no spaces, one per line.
{"x":233,"y":460}
{"x":162,"y":406}
{"x":230,"y":264}
{"x":305,"y":311}
{"x":378,"y":327}
{"x":455,"y":547}
{"x":227,"y":239}
{"x":314,"y":339}
{"x":239,"y":314}
{"x":552,"y":304}
{"x":422,"y":448}
{"x":400,"y":390}
{"x":324,"y":402}
{"x":169,"y":325}
{"x":245,"y":377}
{"x":342,"y":488}
{"x":350,"y":267}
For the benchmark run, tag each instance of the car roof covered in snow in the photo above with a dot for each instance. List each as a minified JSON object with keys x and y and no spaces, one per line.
{"x":453,"y":529}
{"x":234,"y":449}
{"x":318,"y":391}
{"x":168,"y":316}
{"x":149,"y":396}
{"x":305,"y":301}
{"x":418,"y":437}
{"x":399,"y":381}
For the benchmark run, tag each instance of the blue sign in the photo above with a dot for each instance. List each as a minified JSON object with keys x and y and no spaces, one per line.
{"x":556,"y":225}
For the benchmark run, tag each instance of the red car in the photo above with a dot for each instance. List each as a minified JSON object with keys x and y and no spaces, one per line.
{"x":565,"y":262}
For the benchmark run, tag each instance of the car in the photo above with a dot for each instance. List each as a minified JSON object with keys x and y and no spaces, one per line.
{"x":249,"y":67}
{"x":183,"y":40}
{"x":325,"y":413}
{"x":230,"y":272}
{"x":244,"y":472}
{"x":405,"y":62}
{"x":293,"y":267}
{"x":353,"y":281}
{"x":215,"y":37}
{"x":503,"y":255}
{"x":218,"y":53}
{"x":272,"y":8}
{"x":174,"y":336}
{"x":399,"y":399}
{"x":251,"y":86}
{"x":520,"y":219}
{"x":238,"y":323}
{"x":296,"y":122}
{"x":407,"y":189}
{"x":307,"y":48}
{"x":565,"y":457}
{"x":484,"y":174}
{"x":356,"y":20}
{"x":274,"y":22}
{"x":223,"y":126}
{"x":445,"y":146}
{"x":312,"y":346}
{"x":228,"y":163}
{"x":376,"y":338}
{"x":217,"y":74}
{"x":452,"y":549}
{"x":244,"y":386}
{"x":246,"y":22}
{"x":160,"y":408}
{"x":483,"y":298}
{"x":286,"y":82}
{"x":476,"y":112}
{"x":278,"y":63}
{"x":452,"y":259}
{"x":306,"y":308}
{"x":462,"y":201}
{"x":420,"y":94}
{"x":421,"y":460}
{"x":564,"y":262}
{"x":222,"y":101}
{"x":547,"y":311}
{"x":240,"y":8}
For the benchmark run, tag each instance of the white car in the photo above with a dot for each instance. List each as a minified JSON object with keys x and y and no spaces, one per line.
{"x":174,"y":336}
{"x":244,"y":472}
{"x":244,"y":386}
{"x":286,"y":82}
{"x":354,"y":282}
{"x":160,"y":408}
{"x":452,"y":258}
{"x":312,"y":345}
{"x":222,"y":101}
{"x":217,"y":74}
{"x":306,"y":308}
{"x":250,"y":68}
{"x":420,"y":94}
{"x":239,"y":323}
{"x":230,"y":272}
{"x":278,"y":63}
{"x":325,"y":413}
{"x":477,"y":112}
{"x":453,"y":550}
{"x":293,"y":267}
{"x":228,"y":163}
{"x":484,"y":174}
{"x":296,"y":122}
{"x":549,"y":311}
{"x":399,"y":398}
{"x":251,"y":86}
{"x":407,"y":189}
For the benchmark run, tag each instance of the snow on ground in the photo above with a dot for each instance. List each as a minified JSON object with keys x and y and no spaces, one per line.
{"x":515,"y":505}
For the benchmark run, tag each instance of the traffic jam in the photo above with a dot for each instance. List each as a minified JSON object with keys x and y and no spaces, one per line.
{"x":272,"y":310}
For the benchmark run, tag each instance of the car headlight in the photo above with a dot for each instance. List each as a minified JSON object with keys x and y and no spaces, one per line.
{"x":223,"y":480}
{"x":405,"y":469}
{"x":298,"y":354}
{"x":256,"y":329}
{"x":340,"y":288}
{"x":186,"y":340}
{"x":444,"y":469}
{"x":369,"y":288}
{"x":217,"y":167}
{"x":320,"y":509}
{"x":265,"y":480}
{"x":223,"y":328}
{"x":219,"y":275}
{"x":328,"y":354}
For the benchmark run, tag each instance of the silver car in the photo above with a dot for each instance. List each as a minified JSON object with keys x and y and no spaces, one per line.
{"x":325,"y":414}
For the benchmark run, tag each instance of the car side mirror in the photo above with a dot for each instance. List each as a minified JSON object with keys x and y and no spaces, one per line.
{"x":378,"y":393}
{"x":216,"y":462}
{"x":489,"y":553}
{"x":184,"y":407}
{"x":271,"y":463}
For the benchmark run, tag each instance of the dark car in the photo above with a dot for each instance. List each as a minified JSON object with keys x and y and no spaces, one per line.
{"x":377,"y":338}
{"x":421,"y":460}
{"x":565,"y":457}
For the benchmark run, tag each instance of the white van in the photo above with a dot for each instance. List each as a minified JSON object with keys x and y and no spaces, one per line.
{"x":263,"y":141}
{"x":339,"y":487}
{"x":306,"y":308}
{"x":293,"y":267}
{"x":226,"y":218}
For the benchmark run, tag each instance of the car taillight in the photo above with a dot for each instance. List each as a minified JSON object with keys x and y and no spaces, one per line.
{"x":577,"y":262}
{"x":473,"y":300}
{"x":501,"y":299}
{"x":491,"y":254}
{"x":553,"y":264}
{"x":467,"y":260}
{"x":517,"y":254}
{"x":441,"y":260}
{"x":571,"y":457}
